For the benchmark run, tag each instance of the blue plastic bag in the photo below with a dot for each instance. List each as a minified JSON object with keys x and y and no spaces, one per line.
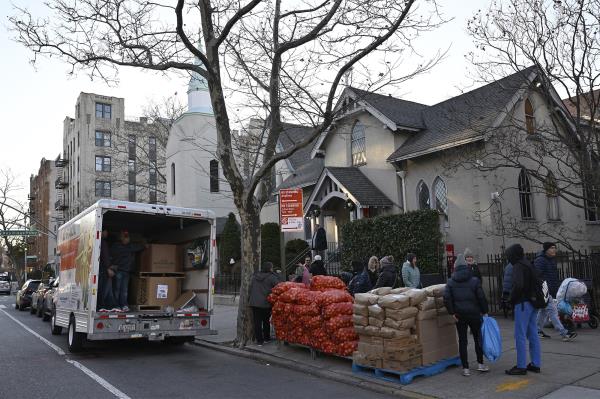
{"x":491,"y":340}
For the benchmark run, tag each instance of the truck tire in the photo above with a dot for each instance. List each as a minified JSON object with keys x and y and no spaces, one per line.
{"x":75,"y":339}
{"x":56,"y":330}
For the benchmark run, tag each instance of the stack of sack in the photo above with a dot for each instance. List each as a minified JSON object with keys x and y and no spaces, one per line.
{"x":435,"y":328}
{"x":384,"y":320}
{"x":319,"y":316}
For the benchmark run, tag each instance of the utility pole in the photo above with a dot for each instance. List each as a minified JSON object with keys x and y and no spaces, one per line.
{"x":25,"y":247}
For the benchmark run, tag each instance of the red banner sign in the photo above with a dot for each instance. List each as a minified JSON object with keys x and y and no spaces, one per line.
{"x":291,"y":212}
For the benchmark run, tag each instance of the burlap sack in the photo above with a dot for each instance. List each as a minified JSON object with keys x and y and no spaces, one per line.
{"x":360,"y":320}
{"x":401,"y":324}
{"x":399,"y":290}
{"x":442,"y":311}
{"x":381,"y":291}
{"x":361,"y":310}
{"x":392,"y":301}
{"x":377,"y":312}
{"x":387,"y":332}
{"x":401,"y":314}
{"x":439,"y":302}
{"x":375,"y":322}
{"x":427,"y":304}
{"x":366,"y":299}
{"x":436,"y":290}
{"x":427,"y":314}
{"x":372,"y":331}
{"x":416,"y":296}
{"x":359,"y":329}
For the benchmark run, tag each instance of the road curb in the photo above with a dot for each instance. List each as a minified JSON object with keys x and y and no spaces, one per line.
{"x":354,"y":380}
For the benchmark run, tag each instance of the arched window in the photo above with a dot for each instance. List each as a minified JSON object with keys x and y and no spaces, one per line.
{"x":423,"y":196}
{"x":214,"y":176}
{"x":440,"y":196}
{"x":173,"y":178}
{"x":525,"y":196}
{"x":359,"y":151}
{"x":552,"y":197}
{"x":529,"y":118}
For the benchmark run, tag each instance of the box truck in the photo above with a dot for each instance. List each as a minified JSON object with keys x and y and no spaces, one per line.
{"x":172,"y":305}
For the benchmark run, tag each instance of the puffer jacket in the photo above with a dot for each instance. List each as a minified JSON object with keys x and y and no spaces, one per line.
{"x":464,"y":295}
{"x":522,"y":275}
{"x":260,"y":287}
{"x":548,"y":270}
{"x":388,"y":276}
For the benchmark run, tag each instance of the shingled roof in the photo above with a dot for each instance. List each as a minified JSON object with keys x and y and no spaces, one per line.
{"x":402,"y":112}
{"x":462,"y":118}
{"x":292,"y":135}
{"x":359,"y":186}
{"x":306,"y":175}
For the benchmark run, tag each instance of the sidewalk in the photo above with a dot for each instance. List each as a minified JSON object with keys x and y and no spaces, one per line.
{"x":569,"y":369}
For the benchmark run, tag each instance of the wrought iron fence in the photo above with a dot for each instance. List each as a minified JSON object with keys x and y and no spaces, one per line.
{"x":581,"y":265}
{"x":228,"y":284}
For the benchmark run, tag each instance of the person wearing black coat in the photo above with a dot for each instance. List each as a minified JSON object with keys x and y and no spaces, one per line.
{"x":465,"y":300}
{"x":389,"y":273}
{"x":317,"y":268}
{"x":522,"y":290}
{"x":319,"y":240}
{"x":260,"y":287}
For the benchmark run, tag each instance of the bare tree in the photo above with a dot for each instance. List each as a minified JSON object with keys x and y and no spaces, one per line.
{"x":11,"y":217}
{"x":553,"y":46}
{"x":285,"y":60}
{"x":138,"y":148}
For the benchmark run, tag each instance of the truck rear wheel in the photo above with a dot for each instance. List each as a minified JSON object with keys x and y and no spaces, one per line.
{"x":56,"y":330}
{"x":75,"y":339}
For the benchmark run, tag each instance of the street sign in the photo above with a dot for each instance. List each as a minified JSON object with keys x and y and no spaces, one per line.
{"x":19,"y":233}
{"x":291,"y":212}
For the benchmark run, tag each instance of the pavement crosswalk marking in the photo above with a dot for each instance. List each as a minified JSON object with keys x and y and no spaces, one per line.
{"x":105,"y":384}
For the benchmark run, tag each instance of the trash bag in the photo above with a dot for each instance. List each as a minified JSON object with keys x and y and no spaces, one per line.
{"x":491,"y":339}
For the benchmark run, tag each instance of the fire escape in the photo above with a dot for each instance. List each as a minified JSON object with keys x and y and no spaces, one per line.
{"x":60,"y":184}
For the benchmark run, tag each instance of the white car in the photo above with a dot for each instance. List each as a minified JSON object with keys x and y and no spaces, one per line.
{"x":5,"y":284}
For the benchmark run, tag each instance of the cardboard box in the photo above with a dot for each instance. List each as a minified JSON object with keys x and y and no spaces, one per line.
{"x":360,"y":359}
{"x":440,"y":353}
{"x":405,"y":354}
{"x":160,"y":258}
{"x":405,"y":365}
{"x":370,"y":350}
{"x":183,"y":299}
{"x":395,"y":344}
{"x":154,"y":291}
{"x":369,"y":339}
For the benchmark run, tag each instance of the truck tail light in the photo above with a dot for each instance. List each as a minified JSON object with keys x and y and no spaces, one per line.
{"x":203,"y":322}
{"x":99,"y":325}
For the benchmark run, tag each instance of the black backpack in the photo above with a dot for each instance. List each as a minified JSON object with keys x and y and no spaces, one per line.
{"x":539,"y":293}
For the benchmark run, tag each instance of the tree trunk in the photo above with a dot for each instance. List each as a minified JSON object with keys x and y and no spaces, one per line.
{"x":250,"y":221}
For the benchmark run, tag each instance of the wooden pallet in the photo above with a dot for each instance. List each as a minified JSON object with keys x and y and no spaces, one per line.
{"x":406,"y":377}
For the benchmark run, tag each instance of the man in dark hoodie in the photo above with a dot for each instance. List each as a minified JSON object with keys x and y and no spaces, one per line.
{"x":260,"y":287}
{"x":465,"y":300}
{"x":389,"y":274}
{"x":523,"y":289}
{"x":545,"y":264}
{"x":317,"y":268}
{"x":122,"y":254}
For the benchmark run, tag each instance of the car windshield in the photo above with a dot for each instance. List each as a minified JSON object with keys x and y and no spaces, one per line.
{"x":3,"y":278}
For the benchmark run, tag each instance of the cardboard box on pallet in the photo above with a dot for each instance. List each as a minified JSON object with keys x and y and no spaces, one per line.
{"x":440,"y":353}
{"x":154,"y":291}
{"x":438,"y":342}
{"x":362,"y":360}
{"x":395,"y":344}
{"x":160,"y":258}
{"x":405,"y":365}
{"x":405,"y":354}
{"x":371,"y":351}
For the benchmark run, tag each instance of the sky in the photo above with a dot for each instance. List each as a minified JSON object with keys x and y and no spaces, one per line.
{"x":35,"y":101}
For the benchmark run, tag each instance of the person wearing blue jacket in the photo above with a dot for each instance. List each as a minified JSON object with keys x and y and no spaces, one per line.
{"x":545,"y":263}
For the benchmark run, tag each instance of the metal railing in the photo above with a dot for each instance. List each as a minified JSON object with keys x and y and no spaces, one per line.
{"x":228,"y":284}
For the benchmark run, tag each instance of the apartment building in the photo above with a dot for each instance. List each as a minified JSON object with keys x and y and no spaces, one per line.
{"x":106,"y":155}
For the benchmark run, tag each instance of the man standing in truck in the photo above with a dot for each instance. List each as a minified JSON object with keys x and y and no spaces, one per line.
{"x":106,"y":297}
{"x":122,"y":255}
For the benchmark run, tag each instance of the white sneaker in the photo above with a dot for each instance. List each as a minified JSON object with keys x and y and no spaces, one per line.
{"x":466,"y":372}
{"x":483,"y":368}
{"x":125,"y":308}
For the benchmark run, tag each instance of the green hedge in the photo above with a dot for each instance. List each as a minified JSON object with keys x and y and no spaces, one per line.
{"x":293,"y":248}
{"x":396,"y":235}
{"x":270,"y":249}
{"x":230,"y":244}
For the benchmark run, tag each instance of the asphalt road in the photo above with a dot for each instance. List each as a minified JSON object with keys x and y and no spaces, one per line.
{"x":39,"y":366}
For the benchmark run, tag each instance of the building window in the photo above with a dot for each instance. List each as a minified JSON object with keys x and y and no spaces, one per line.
{"x":152,"y":194}
{"x":103,"y":188}
{"x":525,"y":196}
{"x":592,"y":205}
{"x":102,"y":164}
{"x":102,"y":139}
{"x":172,"y":178}
{"x":441,"y":197}
{"x":131,"y":192}
{"x":103,"y":110}
{"x":152,"y":175}
{"x":358,"y":148}
{"x":552,"y":197}
{"x":214,"y":176}
{"x":131,"y":165}
{"x":152,"y":148}
{"x":529,"y":118}
{"x":423,"y":198}
{"x":131,"y":142}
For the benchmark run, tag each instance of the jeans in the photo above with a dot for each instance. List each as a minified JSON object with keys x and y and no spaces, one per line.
{"x":551,"y":312}
{"x":106,"y":298}
{"x":121,"y":288}
{"x":526,"y":330}
{"x":464,"y":323}
{"x":262,"y":326}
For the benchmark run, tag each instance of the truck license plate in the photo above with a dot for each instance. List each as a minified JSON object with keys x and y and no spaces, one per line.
{"x":127,"y":327}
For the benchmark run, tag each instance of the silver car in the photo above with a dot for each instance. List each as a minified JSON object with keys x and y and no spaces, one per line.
{"x":5,"y":284}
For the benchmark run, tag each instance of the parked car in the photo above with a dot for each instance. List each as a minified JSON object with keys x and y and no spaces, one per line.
{"x":37,"y":297}
{"x":23,"y":298}
{"x":5,"y":285}
{"x":48,"y":301}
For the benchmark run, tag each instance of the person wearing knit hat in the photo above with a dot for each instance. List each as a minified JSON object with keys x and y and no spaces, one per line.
{"x":545,"y":264}
{"x":470,"y":260}
{"x":389,"y":274}
{"x":465,"y":300}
